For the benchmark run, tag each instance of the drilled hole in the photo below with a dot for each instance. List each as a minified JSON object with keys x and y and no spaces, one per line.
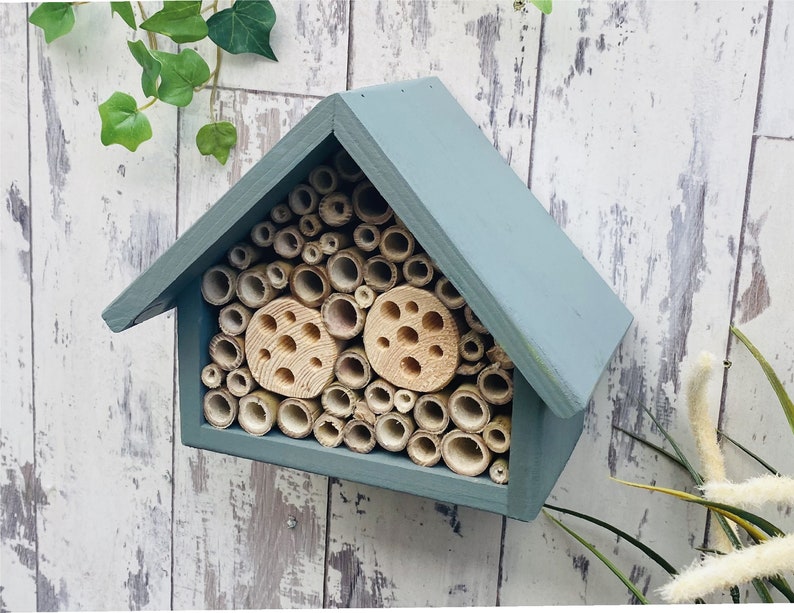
{"x":407,"y":336}
{"x":432,"y":321}
{"x":410,"y":367}
{"x":435,"y":351}
{"x":284,"y":376}
{"x":286,"y":344}
{"x":383,"y":342}
{"x":389,"y":310}
{"x":264,"y":354}
{"x":315,"y":363}
{"x":267,"y":323}
{"x":310,"y":332}
{"x":411,"y":307}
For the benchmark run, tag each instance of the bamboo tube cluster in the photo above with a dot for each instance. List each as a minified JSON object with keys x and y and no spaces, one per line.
{"x":334,"y":322}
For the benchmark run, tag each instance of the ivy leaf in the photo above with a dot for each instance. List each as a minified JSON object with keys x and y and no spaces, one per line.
{"x":543,"y":5}
{"x":179,"y":20}
{"x":124,"y":9}
{"x":55,"y":18}
{"x":180,"y":73}
{"x":244,"y":28}
{"x":123,"y":123}
{"x":151,"y":67}
{"x":217,"y":139}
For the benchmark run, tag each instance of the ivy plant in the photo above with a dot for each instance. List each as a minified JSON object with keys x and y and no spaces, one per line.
{"x":172,"y":78}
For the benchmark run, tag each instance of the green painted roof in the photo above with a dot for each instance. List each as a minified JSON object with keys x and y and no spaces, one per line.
{"x":528,"y":283}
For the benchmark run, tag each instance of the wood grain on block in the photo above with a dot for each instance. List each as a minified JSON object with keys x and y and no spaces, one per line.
{"x":312,"y":253}
{"x":499,"y":472}
{"x":212,"y":376}
{"x":296,"y":416}
{"x":364,"y":413}
{"x":310,"y":225}
{"x":243,"y":255}
{"x":329,"y":430}
{"x":359,"y":436}
{"x":496,"y":433}
{"x":336,"y":209}
{"x":381,"y":274}
{"x":448,"y":294}
{"x":227,"y":351}
{"x":366,"y":237}
{"x":339,"y":400}
{"x":465,"y":453}
{"x":397,"y":244}
{"x":471,"y":346}
{"x":218,"y":284}
{"x":369,"y":206}
{"x":254,"y":288}
{"x":364,"y":296}
{"x":393,"y":429}
{"x":431,"y":413}
{"x":346,"y":269}
{"x":263,"y":234}
{"x":281,"y":214}
{"x":233,"y":318}
{"x":331,"y":242}
{"x":473,"y":321}
{"x":288,"y":242}
{"x":309,"y":284}
{"x":257,"y":412}
{"x":288,"y":349}
{"x":352,"y":368}
{"x":303,"y":199}
{"x":424,"y":448}
{"x":467,"y":409}
{"x":346,"y":167}
{"x":342,"y":316}
{"x":499,"y":356}
{"x":380,"y":396}
{"x":404,"y":400}
{"x":412,"y":339}
{"x":239,"y":382}
{"x":496,"y":384}
{"x":324,"y":179}
{"x":220,"y":407}
{"x":418,"y":270}
{"x":278,"y":273}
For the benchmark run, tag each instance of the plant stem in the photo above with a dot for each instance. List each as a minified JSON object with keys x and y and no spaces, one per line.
{"x":150,"y":35}
{"x":147,"y":105}
{"x":217,"y":72}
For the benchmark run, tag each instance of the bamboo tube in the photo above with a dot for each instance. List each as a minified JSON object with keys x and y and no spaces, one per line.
{"x":352,"y":368}
{"x":342,"y":316}
{"x":364,"y":296}
{"x":471,"y":346}
{"x":499,"y":471}
{"x":346,"y":270}
{"x":499,"y":356}
{"x":303,"y":199}
{"x":430,"y":412}
{"x":253,"y":288}
{"x":381,"y":274}
{"x":310,"y":225}
{"x":281,"y":214}
{"x":331,"y":242}
{"x":336,"y":209}
{"x":496,"y":385}
{"x":346,"y":167}
{"x":404,"y":400}
{"x":226,"y":351}
{"x":296,"y":416}
{"x":369,"y":205}
{"x":392,"y":431}
{"x":359,"y":436}
{"x":243,"y":255}
{"x":233,"y":318}
{"x":418,"y":270}
{"x":448,"y":294}
{"x":467,"y":408}
{"x":288,"y":242}
{"x":366,"y":236}
{"x":380,"y":396}
{"x":324,"y":179}
{"x":257,"y":412}
{"x":262,"y":234}
{"x":278,"y":273}
{"x":472,"y":320}
{"x":289,"y":351}
{"x":220,"y":408}
{"x":465,"y":453}
{"x":339,"y":400}
{"x":396,"y":244}
{"x":239,"y":382}
{"x":364,"y":413}
{"x":424,"y":448}
{"x":218,"y":284}
{"x":328,"y":430}
{"x":309,"y":285}
{"x":468,"y":369}
{"x":212,"y":376}
{"x":312,"y":253}
{"x":497,"y":433}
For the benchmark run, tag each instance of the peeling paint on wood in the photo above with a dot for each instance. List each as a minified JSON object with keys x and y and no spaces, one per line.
{"x":776,"y":111}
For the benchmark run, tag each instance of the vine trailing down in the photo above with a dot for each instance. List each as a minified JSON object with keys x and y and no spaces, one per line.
{"x":173,"y":78}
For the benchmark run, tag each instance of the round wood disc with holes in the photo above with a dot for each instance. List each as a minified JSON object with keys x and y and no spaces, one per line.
{"x":288,"y":349}
{"x":411,"y":339}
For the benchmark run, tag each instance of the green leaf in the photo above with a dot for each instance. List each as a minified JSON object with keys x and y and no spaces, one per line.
{"x":757,"y":458}
{"x":180,"y":73}
{"x":785,"y":400}
{"x":543,"y":5}
{"x":217,"y":139}
{"x":123,"y":123}
{"x":684,"y":461}
{"x":151,"y":67}
{"x":55,"y":18}
{"x":124,"y":9}
{"x":653,"y":446}
{"x":179,"y":20}
{"x":244,"y":28}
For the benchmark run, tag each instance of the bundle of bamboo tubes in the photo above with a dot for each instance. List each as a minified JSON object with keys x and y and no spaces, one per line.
{"x":334,"y":322}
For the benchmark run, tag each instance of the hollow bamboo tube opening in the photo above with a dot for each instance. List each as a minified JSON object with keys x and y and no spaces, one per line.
{"x":469,"y":369}
{"x":397,"y":244}
{"x":303,"y":199}
{"x":359,"y":436}
{"x":262,"y":234}
{"x":369,"y":205}
{"x":218,"y":284}
{"x":278,"y":273}
{"x":309,"y":285}
{"x":253,"y":288}
{"x":430,"y":413}
{"x":257,"y":412}
{"x":331,"y":242}
{"x":404,"y":400}
{"x":312,"y":253}
{"x":380,"y":396}
{"x":418,"y":270}
{"x":220,"y":407}
{"x":296,"y":416}
{"x":499,"y":356}
{"x":226,"y":351}
{"x":499,"y":471}
{"x":473,"y":321}
{"x":496,"y":385}
{"x":465,"y":453}
{"x":352,"y":368}
{"x":346,"y":167}
{"x":212,"y":376}
{"x":281,"y":214}
{"x":392,"y":431}
{"x":497,"y":433}
{"x":364,"y":296}
{"x":288,"y":242}
{"x":339,"y":400}
{"x":239,"y":382}
{"x":343,"y":318}
{"x":233,"y":318}
{"x":381,"y":274}
{"x":448,"y":294}
{"x":243,"y":255}
{"x":366,"y":237}
{"x":329,"y":430}
{"x":336,"y":209}
{"x":467,"y":408}
{"x":471,"y":346}
{"x":424,"y":448}
{"x":324,"y":179}
{"x":310,"y":225}
{"x":364,"y":413}
{"x":346,"y":270}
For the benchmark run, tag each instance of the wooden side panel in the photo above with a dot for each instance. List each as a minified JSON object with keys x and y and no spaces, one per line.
{"x":645,"y":116}
{"x":246,"y":534}
{"x":103,"y":401}
{"x":18,"y":482}
{"x":776,"y":111}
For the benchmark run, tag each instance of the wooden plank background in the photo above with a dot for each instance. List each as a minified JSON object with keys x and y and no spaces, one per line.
{"x":660,"y":136}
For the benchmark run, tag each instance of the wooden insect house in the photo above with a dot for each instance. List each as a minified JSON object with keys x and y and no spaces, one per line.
{"x":381,"y":299}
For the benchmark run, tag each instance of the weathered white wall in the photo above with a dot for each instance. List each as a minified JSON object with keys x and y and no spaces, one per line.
{"x":659,"y":135}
